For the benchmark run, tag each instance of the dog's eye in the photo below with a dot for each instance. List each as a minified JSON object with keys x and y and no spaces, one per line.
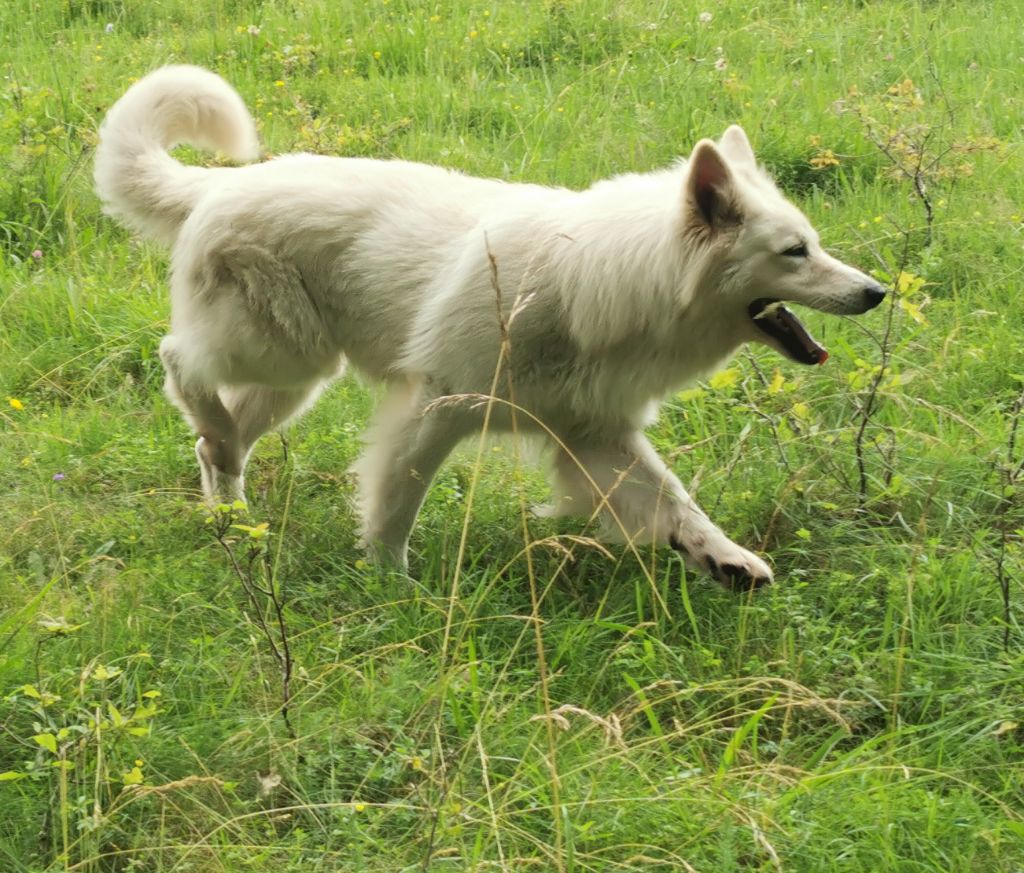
{"x":799,"y":251}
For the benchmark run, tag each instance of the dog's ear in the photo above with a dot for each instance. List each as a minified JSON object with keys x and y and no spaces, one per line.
{"x":736,"y":147}
{"x":711,"y":188}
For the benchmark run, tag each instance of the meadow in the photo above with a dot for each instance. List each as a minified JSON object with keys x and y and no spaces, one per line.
{"x":187,"y":691}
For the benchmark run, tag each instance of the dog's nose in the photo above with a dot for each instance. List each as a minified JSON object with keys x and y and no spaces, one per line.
{"x":873,"y":295}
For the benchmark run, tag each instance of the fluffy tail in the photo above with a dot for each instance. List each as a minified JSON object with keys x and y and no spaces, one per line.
{"x":137,"y":180}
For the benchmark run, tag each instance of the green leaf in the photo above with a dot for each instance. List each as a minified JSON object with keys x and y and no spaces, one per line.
{"x":144,"y":711}
{"x":256,"y":532}
{"x":724,"y":379}
{"x":133,"y":777}
{"x":58,"y":626}
{"x":12,"y":776}
{"x":908,"y":283}
{"x":47,"y":741}
{"x":913,"y":310}
{"x":736,"y":742}
{"x":1015,"y":826}
{"x":30,"y":691}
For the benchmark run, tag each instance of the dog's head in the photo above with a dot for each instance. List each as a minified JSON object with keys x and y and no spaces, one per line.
{"x":766,"y":252}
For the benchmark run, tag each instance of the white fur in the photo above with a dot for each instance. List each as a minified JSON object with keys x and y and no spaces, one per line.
{"x":282,"y":271}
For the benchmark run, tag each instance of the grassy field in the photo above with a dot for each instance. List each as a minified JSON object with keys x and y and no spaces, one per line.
{"x":580,"y":711}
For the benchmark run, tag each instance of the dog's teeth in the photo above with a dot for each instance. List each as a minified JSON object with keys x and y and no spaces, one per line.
{"x":770,"y":309}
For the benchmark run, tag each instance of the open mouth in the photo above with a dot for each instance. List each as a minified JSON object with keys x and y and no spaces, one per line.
{"x":774,"y":319}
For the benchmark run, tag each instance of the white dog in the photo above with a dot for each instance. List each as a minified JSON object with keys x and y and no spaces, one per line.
{"x":282,"y":271}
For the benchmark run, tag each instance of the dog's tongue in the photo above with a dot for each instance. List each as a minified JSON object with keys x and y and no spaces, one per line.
{"x":779,"y":322}
{"x":816,"y":353}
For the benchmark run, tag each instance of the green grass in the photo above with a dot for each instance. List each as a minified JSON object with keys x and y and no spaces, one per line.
{"x":606,"y":712}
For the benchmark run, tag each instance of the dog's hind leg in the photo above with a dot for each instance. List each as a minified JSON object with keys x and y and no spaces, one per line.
{"x":405,"y":445}
{"x":218,"y":448}
{"x":640,"y":500}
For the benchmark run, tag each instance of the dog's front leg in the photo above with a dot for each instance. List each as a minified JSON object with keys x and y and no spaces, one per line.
{"x":405,"y":445}
{"x":641,"y":500}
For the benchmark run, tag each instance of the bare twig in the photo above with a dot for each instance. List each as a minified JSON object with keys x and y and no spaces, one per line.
{"x":869,"y":404}
{"x":1010,"y":476}
{"x":256,"y":574}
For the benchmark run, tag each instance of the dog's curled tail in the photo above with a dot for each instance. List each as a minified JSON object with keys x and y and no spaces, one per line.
{"x":137,"y":180}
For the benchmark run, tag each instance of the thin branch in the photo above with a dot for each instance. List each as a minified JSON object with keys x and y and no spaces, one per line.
{"x":259,"y":567}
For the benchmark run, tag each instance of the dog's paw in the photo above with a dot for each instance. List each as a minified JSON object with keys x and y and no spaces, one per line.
{"x":218,"y":487}
{"x":732,"y":566}
{"x":384,"y":555}
{"x":739,"y":571}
